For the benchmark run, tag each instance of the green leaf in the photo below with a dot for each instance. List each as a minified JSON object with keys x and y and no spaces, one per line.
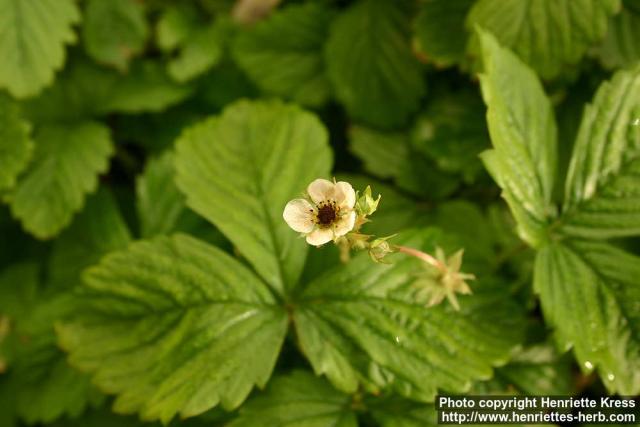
{"x":620,"y":47}
{"x":440,"y":31}
{"x":452,"y":132}
{"x":298,"y":399}
{"x":174,"y":325}
{"x":523,"y":132}
{"x":201,"y":51}
{"x":384,"y":154}
{"x":376,"y":77}
{"x":87,"y":90}
{"x":546,"y":34}
{"x":360,"y":324}
{"x":18,"y":287}
{"x":602,"y":195}
{"x":391,"y":155}
{"x":45,"y":387}
{"x":224,"y":85}
{"x":97,"y":230}
{"x":240,"y":169}
{"x":467,"y":223}
{"x":102,"y":418}
{"x":16,"y":145}
{"x":65,"y":168}
{"x":158,"y":201}
{"x":283,"y":54}
{"x":175,"y":24}
{"x":590,"y":293}
{"x":394,"y":412}
{"x":162,"y":208}
{"x":114,"y":31}
{"x":30,"y":54}
{"x":538,"y":370}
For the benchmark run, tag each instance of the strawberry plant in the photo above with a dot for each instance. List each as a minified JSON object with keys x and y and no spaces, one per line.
{"x":314,"y":213}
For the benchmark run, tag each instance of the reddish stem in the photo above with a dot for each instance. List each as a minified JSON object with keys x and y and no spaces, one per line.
{"x":421,"y":256}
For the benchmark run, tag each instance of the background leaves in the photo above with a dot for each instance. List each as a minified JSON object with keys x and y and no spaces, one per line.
{"x":32,"y":55}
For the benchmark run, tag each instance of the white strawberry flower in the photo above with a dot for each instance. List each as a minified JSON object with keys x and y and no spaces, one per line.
{"x":327,"y":214}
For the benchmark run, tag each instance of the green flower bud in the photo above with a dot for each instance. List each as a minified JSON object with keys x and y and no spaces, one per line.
{"x":380,"y":248}
{"x":366,"y":204}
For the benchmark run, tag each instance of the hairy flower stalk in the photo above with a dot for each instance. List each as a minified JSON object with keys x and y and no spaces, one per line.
{"x":333,"y":211}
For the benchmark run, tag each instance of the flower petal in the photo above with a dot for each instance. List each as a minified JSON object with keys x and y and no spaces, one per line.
{"x":299,"y":215}
{"x":344,"y":224}
{"x":320,"y":190}
{"x":345,"y":195}
{"x":320,"y":236}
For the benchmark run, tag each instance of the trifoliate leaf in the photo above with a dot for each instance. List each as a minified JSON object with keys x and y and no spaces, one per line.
{"x":114,"y":31}
{"x":440,"y":31}
{"x":67,"y":162}
{"x":620,"y":46}
{"x":15,"y":143}
{"x":32,"y":38}
{"x":87,"y":90}
{"x":173,"y":325}
{"x":298,"y":399}
{"x":590,"y":293}
{"x":240,"y":169}
{"x":201,"y":50}
{"x":283,"y":54}
{"x":523,"y":132}
{"x":370,"y":63}
{"x":360,"y":324}
{"x":546,"y":34}
{"x":602,"y":196}
{"x":97,"y":230}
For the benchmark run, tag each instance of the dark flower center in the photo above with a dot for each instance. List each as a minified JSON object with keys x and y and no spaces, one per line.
{"x":327,"y":214}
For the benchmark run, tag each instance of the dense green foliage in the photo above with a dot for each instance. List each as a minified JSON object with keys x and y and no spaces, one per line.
{"x":147,"y":151}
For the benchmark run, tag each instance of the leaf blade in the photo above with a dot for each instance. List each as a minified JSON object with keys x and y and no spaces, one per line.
{"x":377,"y":78}
{"x":163,"y":312}
{"x":239,"y":170}
{"x":67,"y":161}
{"x":602,"y":199}
{"x":361,"y":325}
{"x":547,"y":35}
{"x":523,"y":133}
{"x":31,"y":56}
